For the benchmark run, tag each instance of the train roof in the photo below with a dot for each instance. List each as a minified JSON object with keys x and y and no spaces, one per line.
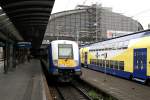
{"x":57,"y":41}
{"x":119,"y":37}
{"x":62,"y":40}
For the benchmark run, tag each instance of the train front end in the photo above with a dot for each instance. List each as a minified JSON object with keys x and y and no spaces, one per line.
{"x":65,"y":58}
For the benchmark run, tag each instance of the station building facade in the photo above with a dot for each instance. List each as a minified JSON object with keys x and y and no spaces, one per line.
{"x":88,"y":24}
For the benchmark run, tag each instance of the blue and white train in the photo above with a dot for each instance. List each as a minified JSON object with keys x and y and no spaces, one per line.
{"x":62,"y":59}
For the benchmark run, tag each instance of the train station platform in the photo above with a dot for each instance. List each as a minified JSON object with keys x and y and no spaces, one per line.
{"x":120,"y":88}
{"x":26,"y":82}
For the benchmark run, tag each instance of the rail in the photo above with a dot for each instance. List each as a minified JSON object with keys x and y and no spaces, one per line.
{"x":71,"y":92}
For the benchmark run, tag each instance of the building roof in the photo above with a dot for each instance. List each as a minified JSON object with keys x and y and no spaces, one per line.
{"x":30,"y":17}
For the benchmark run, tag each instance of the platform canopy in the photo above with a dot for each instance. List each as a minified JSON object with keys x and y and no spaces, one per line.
{"x":7,"y":30}
{"x":30,"y":17}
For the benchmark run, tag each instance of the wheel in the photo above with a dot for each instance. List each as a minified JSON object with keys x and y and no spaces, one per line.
{"x":82,"y":65}
{"x":131,"y":77}
{"x":148,"y":82}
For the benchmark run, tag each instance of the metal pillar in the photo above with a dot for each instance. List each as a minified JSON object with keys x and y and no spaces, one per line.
{"x":10,"y":56}
{"x":14,"y":57}
{"x":6,"y":64}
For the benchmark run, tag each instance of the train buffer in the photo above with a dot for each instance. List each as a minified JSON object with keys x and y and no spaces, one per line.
{"x":26,"y":82}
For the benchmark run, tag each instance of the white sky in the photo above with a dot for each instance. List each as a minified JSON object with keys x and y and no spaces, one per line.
{"x":137,"y":9}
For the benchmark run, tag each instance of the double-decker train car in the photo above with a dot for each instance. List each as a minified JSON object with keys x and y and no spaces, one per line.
{"x":126,"y":56}
{"x":62,"y":59}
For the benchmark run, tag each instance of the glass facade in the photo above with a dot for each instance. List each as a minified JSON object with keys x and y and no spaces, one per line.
{"x":88,"y":24}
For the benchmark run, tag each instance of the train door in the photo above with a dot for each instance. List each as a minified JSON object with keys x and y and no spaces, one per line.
{"x":86,"y":58}
{"x":140,"y":63}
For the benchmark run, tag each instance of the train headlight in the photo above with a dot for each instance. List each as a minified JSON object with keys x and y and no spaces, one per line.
{"x":55,"y":62}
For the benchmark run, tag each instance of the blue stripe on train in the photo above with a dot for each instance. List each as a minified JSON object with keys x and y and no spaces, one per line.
{"x":111,"y":71}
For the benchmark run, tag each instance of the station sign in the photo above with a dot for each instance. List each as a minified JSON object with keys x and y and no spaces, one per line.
{"x":24,"y":44}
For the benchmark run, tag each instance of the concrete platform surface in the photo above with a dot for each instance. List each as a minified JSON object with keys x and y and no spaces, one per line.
{"x":120,"y":88}
{"x":23,"y":83}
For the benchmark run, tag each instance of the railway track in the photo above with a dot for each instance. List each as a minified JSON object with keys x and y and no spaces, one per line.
{"x":71,"y":92}
{"x":77,"y":89}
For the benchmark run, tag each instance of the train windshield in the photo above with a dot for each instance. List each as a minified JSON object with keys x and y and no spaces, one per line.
{"x":65,"y":51}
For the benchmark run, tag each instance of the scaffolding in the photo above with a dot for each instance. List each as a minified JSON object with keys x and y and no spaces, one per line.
{"x":87,"y":24}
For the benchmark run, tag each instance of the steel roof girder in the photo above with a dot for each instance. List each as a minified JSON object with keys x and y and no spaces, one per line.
{"x":32,"y":14}
{"x":29,"y":10}
{"x":28,"y":3}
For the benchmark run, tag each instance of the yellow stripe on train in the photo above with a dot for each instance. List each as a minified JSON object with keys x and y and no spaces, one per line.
{"x":127,"y":55}
{"x":66,"y":63}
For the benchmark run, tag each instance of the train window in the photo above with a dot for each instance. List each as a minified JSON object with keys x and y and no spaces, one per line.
{"x":121,"y":65}
{"x":111,"y":64}
{"x":124,"y":47}
{"x":97,"y":61}
{"x":65,"y":51}
{"x":113,"y":48}
{"x":126,"y":44}
{"x":107,"y":63}
{"x":90,"y":61}
{"x":120,"y":45}
{"x":100,"y":63}
{"x":104,"y":63}
{"x":94,"y":61}
{"x":109,"y":48}
{"x":116,"y":64}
